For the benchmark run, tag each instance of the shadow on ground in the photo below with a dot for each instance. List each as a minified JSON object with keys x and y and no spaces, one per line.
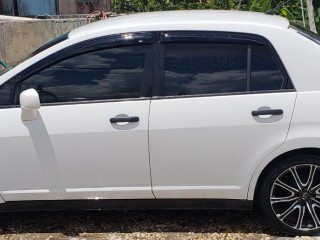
{"x":74,"y":223}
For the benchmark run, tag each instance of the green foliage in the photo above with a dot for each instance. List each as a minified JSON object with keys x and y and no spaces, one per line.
{"x":127,"y":6}
{"x":316,"y":5}
{"x":291,"y":11}
{"x":260,"y":5}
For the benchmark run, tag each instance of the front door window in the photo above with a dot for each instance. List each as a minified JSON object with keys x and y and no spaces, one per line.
{"x":115,"y":73}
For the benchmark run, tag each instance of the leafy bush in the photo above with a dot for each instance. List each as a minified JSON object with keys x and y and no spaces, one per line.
{"x":292,"y":11}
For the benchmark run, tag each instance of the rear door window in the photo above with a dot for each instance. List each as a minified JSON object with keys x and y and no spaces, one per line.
{"x":204,"y":68}
{"x":265,"y":72}
{"x":233,"y":67}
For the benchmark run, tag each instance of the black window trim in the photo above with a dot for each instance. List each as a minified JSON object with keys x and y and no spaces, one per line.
{"x":214,"y":37}
{"x":105,"y":42}
{"x":211,"y":36}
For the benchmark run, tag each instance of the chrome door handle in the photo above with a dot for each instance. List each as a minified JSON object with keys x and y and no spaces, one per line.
{"x":124,"y":119}
{"x":267,"y":112}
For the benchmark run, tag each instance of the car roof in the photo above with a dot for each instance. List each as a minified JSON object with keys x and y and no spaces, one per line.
{"x":178,"y":20}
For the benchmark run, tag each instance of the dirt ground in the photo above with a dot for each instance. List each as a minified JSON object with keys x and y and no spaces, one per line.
{"x":160,"y":224}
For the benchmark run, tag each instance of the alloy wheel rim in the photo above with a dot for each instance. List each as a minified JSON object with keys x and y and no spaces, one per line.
{"x":295,"y":197}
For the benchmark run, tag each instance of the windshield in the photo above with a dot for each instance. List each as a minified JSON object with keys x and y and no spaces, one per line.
{"x":39,"y":50}
{"x":306,"y":32}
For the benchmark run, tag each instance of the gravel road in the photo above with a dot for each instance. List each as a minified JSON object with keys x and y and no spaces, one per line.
{"x":161,"y":224}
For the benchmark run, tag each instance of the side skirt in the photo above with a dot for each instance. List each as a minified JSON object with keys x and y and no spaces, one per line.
{"x":134,"y":204}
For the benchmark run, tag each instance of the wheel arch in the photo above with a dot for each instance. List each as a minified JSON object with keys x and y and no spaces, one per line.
{"x":280,"y":158}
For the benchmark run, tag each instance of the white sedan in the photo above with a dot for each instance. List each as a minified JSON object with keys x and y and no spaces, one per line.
{"x":181,"y":109}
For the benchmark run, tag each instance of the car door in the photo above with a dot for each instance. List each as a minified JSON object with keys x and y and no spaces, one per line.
{"x":224,"y":102}
{"x":90,"y":138}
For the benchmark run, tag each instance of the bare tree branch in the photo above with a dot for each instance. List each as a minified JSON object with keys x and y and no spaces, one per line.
{"x":311,"y":16}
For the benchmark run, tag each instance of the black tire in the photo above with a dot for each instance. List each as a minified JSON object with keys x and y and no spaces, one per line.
{"x":302,"y":205}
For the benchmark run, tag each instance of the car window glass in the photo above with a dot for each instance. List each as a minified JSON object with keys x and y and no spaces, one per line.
{"x":204,"y":68}
{"x":6,"y":94}
{"x":265,"y":72}
{"x":105,"y":74}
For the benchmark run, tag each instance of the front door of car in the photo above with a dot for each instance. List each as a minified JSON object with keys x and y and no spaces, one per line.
{"x":224,"y":103}
{"x":90,"y":138}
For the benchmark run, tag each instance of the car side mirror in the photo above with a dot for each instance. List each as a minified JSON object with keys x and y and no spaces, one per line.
{"x":30,"y":103}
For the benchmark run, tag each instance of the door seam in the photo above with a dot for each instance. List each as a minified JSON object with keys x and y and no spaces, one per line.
{"x":3,"y":201}
{"x":287,"y":134}
{"x":149,"y":150}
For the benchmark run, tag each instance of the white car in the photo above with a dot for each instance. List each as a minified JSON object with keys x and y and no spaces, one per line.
{"x":181,"y":109}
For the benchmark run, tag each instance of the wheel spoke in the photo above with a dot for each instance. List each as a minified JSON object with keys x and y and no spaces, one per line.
{"x":311,"y":176}
{"x":285,"y":186}
{"x":302,"y":210}
{"x":283,"y":215}
{"x":316,"y":189}
{"x":296,"y":177}
{"x":313,"y":214}
{"x":317,"y":203}
{"x":290,"y":198}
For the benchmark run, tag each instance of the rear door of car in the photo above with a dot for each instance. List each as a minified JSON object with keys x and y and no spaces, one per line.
{"x":222,"y":102}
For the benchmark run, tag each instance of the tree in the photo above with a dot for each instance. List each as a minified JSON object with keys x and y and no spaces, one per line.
{"x":311,"y":16}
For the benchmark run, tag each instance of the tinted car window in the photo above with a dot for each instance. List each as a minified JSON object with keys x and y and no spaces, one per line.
{"x":6,"y":94}
{"x":265,"y":72}
{"x":204,"y":68}
{"x":105,"y":74}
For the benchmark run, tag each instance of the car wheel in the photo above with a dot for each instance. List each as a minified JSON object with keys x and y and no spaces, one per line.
{"x":290,"y":195}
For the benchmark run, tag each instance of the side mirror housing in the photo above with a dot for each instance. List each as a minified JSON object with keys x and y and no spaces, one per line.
{"x":30,"y":103}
